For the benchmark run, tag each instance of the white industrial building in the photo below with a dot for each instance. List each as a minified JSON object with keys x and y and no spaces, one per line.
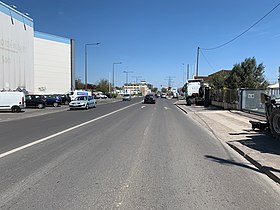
{"x":34,"y":61}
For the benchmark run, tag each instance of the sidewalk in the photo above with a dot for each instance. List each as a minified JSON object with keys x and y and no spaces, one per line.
{"x":233,"y":128}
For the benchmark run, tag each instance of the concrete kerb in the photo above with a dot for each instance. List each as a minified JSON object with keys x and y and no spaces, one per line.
{"x":239,"y":150}
{"x":255,"y":163}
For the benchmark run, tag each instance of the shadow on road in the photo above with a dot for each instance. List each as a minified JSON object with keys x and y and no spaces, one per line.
{"x":230,"y":162}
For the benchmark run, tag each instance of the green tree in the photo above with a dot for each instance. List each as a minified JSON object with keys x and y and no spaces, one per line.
{"x":154,"y":90}
{"x":247,"y":74}
{"x":79,"y":85}
{"x":218,"y":81}
{"x":103,"y":86}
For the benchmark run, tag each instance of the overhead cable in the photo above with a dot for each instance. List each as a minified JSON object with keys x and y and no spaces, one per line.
{"x":219,"y":46}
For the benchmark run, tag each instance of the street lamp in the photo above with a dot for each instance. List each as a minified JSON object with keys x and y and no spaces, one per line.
{"x":114,"y":74}
{"x":97,"y":43}
{"x":127,"y":72}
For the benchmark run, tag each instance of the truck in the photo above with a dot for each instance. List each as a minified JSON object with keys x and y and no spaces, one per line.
{"x":14,"y":101}
{"x":272,"y":114}
{"x":195,"y":89}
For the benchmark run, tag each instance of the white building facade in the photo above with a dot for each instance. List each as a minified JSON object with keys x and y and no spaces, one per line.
{"x":37,"y":62}
{"x":16,"y":50}
{"x":52,"y":64}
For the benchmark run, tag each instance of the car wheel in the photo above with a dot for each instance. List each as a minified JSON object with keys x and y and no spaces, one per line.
{"x":15,"y":109}
{"x":87,"y":107}
{"x":55,"y":104}
{"x":94,"y":106}
{"x":40,"y":106}
{"x":66,"y":102}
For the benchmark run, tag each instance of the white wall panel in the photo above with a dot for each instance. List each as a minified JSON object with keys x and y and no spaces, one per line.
{"x":16,"y":50}
{"x":52,"y":64}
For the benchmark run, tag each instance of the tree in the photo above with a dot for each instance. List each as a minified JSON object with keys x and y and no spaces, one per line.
{"x":79,"y":84}
{"x":247,"y":74}
{"x":154,"y":90}
{"x":218,"y":81}
{"x":103,"y":86}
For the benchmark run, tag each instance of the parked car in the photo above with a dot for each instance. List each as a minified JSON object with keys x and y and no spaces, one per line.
{"x":14,"y":101}
{"x":103,"y":96}
{"x":109,"y":95}
{"x":33,"y":100}
{"x":163,"y":95}
{"x":126,"y":97}
{"x":65,"y":99}
{"x":82,"y":102}
{"x":96,"y":96}
{"x":53,"y":100}
{"x":149,"y":99}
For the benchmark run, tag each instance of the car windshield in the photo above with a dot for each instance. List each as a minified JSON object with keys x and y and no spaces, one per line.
{"x":81,"y":98}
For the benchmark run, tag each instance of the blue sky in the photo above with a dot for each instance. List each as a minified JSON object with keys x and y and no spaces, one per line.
{"x":153,"y":38}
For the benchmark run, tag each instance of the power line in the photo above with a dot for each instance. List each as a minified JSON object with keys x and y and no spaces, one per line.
{"x":219,"y":46}
{"x":207,"y":60}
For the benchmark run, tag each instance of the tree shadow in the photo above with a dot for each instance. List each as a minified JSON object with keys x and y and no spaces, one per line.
{"x":230,"y":162}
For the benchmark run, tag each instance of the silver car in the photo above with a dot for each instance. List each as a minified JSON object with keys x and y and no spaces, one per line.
{"x":126,"y":97}
{"x":82,"y":102}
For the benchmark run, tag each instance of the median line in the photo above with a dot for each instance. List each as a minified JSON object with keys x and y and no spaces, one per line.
{"x":61,"y":132}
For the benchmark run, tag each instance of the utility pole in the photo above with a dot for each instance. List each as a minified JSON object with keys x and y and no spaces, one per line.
{"x":136,"y":78}
{"x":188,"y":71}
{"x":197,"y":59}
{"x":279,"y":78}
{"x":169,"y":78}
{"x":184,"y":74}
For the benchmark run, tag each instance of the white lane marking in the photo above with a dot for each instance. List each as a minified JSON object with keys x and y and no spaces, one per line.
{"x":62,"y":132}
{"x":143,"y":107}
{"x":146,"y":131}
{"x":166,"y":108}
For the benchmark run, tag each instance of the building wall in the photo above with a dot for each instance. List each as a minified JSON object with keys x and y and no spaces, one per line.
{"x":16,"y":50}
{"x":52,"y":64}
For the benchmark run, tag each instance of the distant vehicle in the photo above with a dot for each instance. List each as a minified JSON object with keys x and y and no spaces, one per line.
{"x":65,"y":99}
{"x":163,"y":95}
{"x":109,"y":95}
{"x":126,"y":97}
{"x":76,"y":93}
{"x":195,"y":91}
{"x":33,"y":100}
{"x":149,"y":99}
{"x":53,"y":100}
{"x":96,"y":96}
{"x":14,"y":101}
{"x":82,"y":102}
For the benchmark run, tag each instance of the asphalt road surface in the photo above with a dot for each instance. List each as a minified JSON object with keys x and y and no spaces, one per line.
{"x":125,"y":155}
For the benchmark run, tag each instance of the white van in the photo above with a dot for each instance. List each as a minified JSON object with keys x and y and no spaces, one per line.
{"x":14,"y":101}
{"x":75,"y":93}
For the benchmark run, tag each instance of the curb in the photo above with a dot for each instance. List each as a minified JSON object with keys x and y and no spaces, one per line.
{"x":256,"y":163}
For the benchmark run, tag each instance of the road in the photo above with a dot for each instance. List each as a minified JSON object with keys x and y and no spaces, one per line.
{"x":125,"y":155}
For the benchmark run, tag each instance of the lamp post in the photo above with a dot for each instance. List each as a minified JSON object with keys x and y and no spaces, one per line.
{"x":86,"y":45}
{"x":127,"y":72}
{"x":114,"y":74}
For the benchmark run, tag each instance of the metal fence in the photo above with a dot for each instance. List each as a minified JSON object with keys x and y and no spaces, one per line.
{"x":225,"y":95}
{"x":251,"y":100}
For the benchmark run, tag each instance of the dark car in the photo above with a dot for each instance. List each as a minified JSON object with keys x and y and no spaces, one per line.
{"x":33,"y":100}
{"x":149,"y":99}
{"x":65,"y":99}
{"x":53,"y":100}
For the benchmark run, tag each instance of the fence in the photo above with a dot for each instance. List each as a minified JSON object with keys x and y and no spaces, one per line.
{"x":226,"y":98}
{"x":251,"y":100}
